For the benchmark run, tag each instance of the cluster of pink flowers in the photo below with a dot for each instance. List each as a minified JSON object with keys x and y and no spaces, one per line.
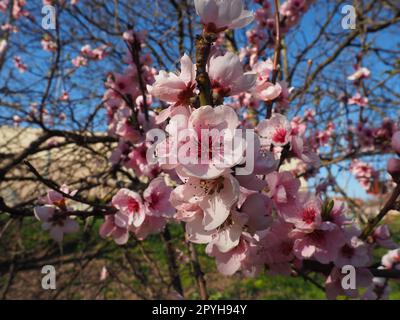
{"x":263,"y":34}
{"x":48,"y":44}
{"x":357,"y":77}
{"x":366,"y":137}
{"x":249,"y":221}
{"x":64,"y":96}
{"x":87,"y":53}
{"x":35,"y":113}
{"x":18,"y":9}
{"x":365,"y":174}
{"x":125,"y":106}
{"x":139,"y":215}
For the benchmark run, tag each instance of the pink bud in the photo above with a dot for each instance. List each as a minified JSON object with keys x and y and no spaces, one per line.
{"x":396,"y":142}
{"x":393,"y":167}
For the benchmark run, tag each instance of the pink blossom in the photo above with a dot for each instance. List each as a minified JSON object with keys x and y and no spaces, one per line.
{"x":131,"y":209}
{"x":195,"y":230}
{"x":126,"y":128}
{"x":186,"y":210}
{"x":219,"y":15}
{"x":258,"y":208}
{"x":265,"y":161}
{"x":150,"y":225}
{"x":17,"y":9}
{"x":283,"y":188}
{"x":53,"y":197}
{"x":385,"y":131}
{"x":302,"y":150}
{"x":227,"y":76}
{"x":322,"y":244}
{"x":391,"y":260}
{"x":111,"y":229}
{"x":355,"y":252}
{"x":274,"y":131}
{"x":193,"y":215}
{"x":251,"y":182}
{"x":79,"y":61}
{"x":156,"y":197}
{"x":93,"y":54}
{"x":215,"y":197}
{"x":64,"y":96}
{"x":55,"y":221}
{"x":309,"y":115}
{"x":17,"y":120}
{"x":137,"y":161}
{"x":175,"y":89}
{"x":283,"y":99}
{"x":228,"y":236}
{"x":48,"y":44}
{"x":358,"y":100}
{"x":364,"y":173}
{"x":125,"y":83}
{"x":99,"y":53}
{"x":360,"y":73}
{"x":307,"y":214}
{"x":338,"y":214}
{"x":383,"y":238}
{"x":209,"y":129}
{"x":324,"y":136}
{"x":277,"y":247}
{"x":266,"y":90}
{"x":230,"y":262}
{"x":263,"y":70}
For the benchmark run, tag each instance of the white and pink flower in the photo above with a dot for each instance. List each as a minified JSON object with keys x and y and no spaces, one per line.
{"x":219,"y":15}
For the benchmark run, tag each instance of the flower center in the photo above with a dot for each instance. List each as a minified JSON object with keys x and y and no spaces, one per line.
{"x":185,"y":95}
{"x":133,"y":205}
{"x":309,"y":215}
{"x":279,"y":135}
{"x":219,"y":89}
{"x":212,"y":186}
